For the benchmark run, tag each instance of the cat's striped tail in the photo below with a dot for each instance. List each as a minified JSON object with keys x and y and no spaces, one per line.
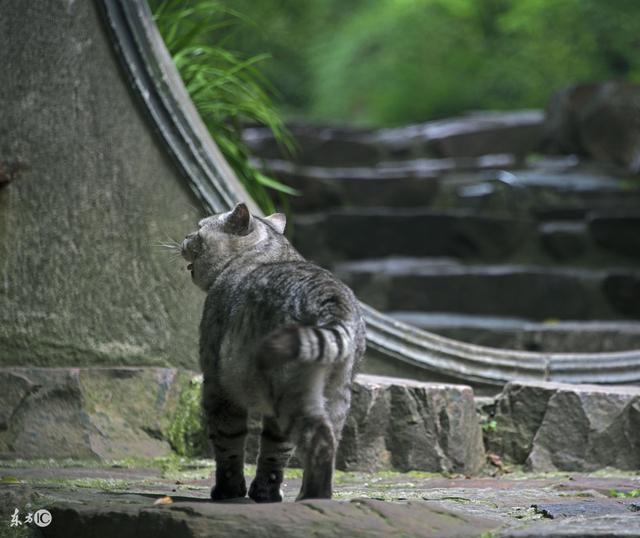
{"x":296,"y":343}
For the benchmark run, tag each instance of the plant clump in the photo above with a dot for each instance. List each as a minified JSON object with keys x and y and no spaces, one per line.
{"x":226,"y":87}
{"x":187,"y":433}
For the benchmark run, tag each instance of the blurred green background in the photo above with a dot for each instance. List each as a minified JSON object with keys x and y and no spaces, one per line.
{"x":383,"y":62}
{"x":388,"y":62}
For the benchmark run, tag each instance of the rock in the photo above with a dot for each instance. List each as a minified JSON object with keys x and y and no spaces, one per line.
{"x":609,"y":526}
{"x":359,"y":517}
{"x":598,"y":120}
{"x":561,"y":132}
{"x":87,"y":412}
{"x":617,"y":233}
{"x":610,"y":124}
{"x":366,"y":444}
{"x":560,"y":427}
{"x":586,"y":508}
{"x":13,"y":496}
{"x":339,"y":234}
{"x":519,"y":411}
{"x":405,"y":425}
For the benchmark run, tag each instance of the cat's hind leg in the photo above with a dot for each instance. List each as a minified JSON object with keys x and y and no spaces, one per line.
{"x":227,"y":425}
{"x":317,"y":445}
{"x":338,"y":401}
{"x":275,"y":451}
{"x":301,"y":415}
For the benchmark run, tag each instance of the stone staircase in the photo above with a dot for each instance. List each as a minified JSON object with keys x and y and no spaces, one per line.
{"x":459,"y":227}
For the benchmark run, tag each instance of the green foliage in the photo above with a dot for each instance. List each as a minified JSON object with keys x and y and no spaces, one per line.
{"x":396,"y":61}
{"x":624,"y":494}
{"x":186,"y":432}
{"x":490,"y":426}
{"x":226,"y":88}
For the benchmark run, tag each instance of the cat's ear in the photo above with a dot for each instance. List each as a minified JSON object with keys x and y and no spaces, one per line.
{"x":239,"y":221}
{"x":277,"y":221}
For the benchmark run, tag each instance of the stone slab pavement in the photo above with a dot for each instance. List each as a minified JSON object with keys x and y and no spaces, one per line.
{"x":120,"y":499}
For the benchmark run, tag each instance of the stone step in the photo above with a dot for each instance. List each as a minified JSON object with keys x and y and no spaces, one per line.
{"x":562,"y":427}
{"x":618,"y":233}
{"x":480,"y":133}
{"x":358,"y":233}
{"x":543,"y":191}
{"x":546,"y":190}
{"x":317,"y":145}
{"x":522,"y":334}
{"x":531,"y":292}
{"x":473,"y":135}
{"x":491,"y":184}
{"x":599,"y":240}
{"x":403,"y":184}
{"x":602,"y":237}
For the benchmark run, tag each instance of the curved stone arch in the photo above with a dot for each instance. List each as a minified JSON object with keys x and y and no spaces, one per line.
{"x":422,"y":354}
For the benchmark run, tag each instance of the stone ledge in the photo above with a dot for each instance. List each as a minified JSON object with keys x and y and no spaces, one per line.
{"x":562,"y":427}
{"x":403,"y":424}
{"x":105,"y":413}
{"x":122,"y":412}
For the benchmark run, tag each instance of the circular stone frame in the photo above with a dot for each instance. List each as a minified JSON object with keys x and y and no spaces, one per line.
{"x":392,"y":346}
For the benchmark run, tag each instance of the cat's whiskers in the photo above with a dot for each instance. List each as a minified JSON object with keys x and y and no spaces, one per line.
{"x":171,"y":245}
{"x":174,"y":249}
{"x":175,"y":257}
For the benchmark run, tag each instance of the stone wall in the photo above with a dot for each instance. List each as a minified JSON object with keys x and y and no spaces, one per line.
{"x":562,"y":427}
{"x":91,"y":194}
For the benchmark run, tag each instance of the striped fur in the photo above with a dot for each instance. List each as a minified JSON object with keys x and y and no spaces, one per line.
{"x":280,"y":336}
{"x":295,"y":343}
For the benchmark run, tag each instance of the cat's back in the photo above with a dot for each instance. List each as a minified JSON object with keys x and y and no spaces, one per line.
{"x":255,"y":299}
{"x":302,"y":292}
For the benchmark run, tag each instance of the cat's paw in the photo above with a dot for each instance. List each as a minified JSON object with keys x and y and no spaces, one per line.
{"x":264,"y":491}
{"x":229,"y":489}
{"x":303,"y":496}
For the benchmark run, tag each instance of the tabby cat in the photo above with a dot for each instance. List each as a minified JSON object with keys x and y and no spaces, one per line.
{"x":280,"y":336}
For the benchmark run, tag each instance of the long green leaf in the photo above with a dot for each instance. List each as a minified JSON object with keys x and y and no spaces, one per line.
{"x":226,"y":88}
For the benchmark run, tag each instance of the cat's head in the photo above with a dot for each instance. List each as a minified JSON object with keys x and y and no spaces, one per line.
{"x":223,"y":237}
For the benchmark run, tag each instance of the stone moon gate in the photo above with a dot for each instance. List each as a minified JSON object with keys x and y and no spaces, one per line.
{"x":102,"y":155}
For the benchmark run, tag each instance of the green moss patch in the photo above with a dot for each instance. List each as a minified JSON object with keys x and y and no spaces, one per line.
{"x":187,"y":432}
